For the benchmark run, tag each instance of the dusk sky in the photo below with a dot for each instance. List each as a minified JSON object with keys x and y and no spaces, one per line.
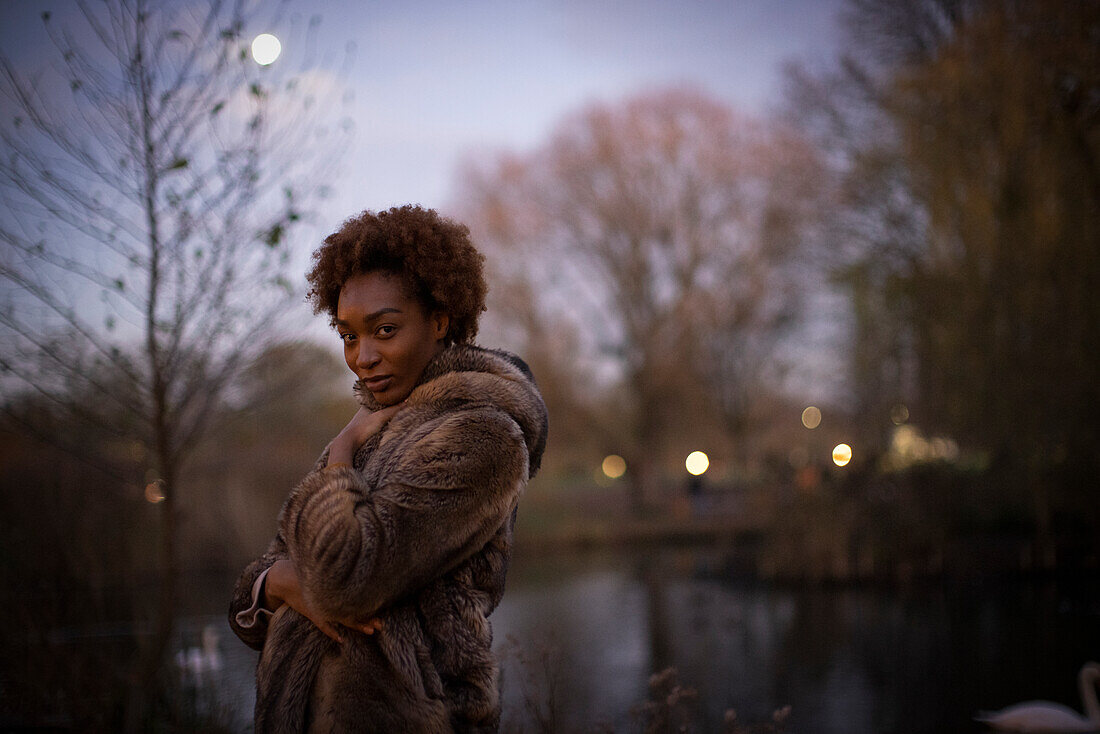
{"x":434,"y":81}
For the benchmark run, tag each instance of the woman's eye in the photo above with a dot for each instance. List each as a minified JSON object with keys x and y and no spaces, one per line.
{"x":387,"y":330}
{"x":347,"y":338}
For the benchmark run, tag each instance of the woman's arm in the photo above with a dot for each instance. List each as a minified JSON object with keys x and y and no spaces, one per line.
{"x":280,"y":583}
{"x":452,"y":483}
{"x":253,"y":632}
{"x":363,"y":425}
{"x":282,"y":587}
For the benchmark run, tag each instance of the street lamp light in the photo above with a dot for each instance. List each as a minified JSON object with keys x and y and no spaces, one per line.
{"x":697,"y":463}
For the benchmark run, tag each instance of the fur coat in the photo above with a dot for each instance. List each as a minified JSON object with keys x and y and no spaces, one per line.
{"x":419,"y":534}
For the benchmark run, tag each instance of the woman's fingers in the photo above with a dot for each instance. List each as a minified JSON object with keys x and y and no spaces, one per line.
{"x":370,"y":626}
{"x":328,"y":629}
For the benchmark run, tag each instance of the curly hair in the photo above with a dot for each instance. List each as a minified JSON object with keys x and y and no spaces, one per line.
{"x":433,"y":256}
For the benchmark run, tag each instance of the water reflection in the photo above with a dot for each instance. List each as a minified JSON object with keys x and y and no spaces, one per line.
{"x":579,"y":637}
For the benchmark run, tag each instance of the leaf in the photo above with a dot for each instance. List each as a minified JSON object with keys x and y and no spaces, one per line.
{"x":256,"y":90}
{"x":76,"y":84}
{"x":274,"y":235}
{"x":46,"y":16}
{"x":120,"y":284}
{"x":177,"y":164}
{"x":110,"y":323}
{"x":217,"y":108}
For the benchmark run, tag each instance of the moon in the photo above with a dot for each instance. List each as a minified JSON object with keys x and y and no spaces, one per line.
{"x":266,"y":48}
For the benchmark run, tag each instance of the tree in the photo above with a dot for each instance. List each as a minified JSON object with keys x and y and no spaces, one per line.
{"x":664,"y":229}
{"x":148,"y":192}
{"x":975,"y":132}
{"x":1005,"y":157}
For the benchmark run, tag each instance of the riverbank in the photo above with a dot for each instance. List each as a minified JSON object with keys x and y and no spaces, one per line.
{"x":877,"y":529}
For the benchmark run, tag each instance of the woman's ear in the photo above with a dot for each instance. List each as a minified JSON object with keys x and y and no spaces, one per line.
{"x":440,"y":322}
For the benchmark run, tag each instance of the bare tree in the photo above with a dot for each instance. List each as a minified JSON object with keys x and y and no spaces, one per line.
{"x":662,"y":228}
{"x":148,"y":186}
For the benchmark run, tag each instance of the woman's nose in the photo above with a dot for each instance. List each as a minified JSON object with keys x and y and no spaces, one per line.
{"x":367,"y":356}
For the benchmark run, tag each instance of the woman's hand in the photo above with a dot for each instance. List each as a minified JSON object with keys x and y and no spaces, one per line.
{"x":282,"y":587}
{"x":362,"y":426}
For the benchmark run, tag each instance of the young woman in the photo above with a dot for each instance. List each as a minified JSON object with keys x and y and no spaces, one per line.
{"x":370,"y":605}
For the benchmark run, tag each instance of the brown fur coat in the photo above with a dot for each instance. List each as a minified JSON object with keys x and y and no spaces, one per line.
{"x":418,"y":534}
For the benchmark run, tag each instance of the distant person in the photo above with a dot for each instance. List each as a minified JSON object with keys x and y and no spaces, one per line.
{"x":370,"y":605}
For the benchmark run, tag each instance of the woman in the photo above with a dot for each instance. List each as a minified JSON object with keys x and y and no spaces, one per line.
{"x":370,"y":605}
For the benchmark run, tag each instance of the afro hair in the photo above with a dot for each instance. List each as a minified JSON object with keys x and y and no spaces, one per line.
{"x":433,"y":255}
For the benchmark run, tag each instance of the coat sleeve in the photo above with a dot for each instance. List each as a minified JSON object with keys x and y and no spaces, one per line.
{"x":253,"y":635}
{"x":449,"y":487}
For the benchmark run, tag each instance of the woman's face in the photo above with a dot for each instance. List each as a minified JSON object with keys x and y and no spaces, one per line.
{"x":388,"y":337}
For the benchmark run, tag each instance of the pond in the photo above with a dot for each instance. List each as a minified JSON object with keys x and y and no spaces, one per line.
{"x":579,"y":636}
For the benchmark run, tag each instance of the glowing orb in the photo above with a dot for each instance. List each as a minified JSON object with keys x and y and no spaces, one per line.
{"x":153,"y":492}
{"x":899,"y":414}
{"x":266,"y":48}
{"x":697,"y":463}
{"x":842,"y":454}
{"x":613,"y":466}
{"x":811,"y":417}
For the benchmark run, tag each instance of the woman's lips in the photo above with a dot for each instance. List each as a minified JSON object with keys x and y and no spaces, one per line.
{"x":378,"y":384}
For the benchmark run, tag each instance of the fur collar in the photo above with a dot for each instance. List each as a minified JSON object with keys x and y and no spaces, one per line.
{"x":464,"y":374}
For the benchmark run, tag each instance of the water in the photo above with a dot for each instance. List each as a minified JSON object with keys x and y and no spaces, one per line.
{"x":580,"y":635}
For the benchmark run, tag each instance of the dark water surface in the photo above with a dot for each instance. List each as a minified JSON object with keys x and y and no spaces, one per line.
{"x":579,"y":636}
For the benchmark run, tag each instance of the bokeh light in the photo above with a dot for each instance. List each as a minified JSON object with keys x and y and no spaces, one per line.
{"x":697,"y":463}
{"x":613,"y":466}
{"x":842,"y":454}
{"x":154,"y":492}
{"x":899,"y":414}
{"x":265,"y":49}
{"x":811,"y":417}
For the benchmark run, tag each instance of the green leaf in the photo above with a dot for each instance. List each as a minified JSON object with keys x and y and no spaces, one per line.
{"x":177,"y":164}
{"x":217,"y":108}
{"x":120,"y":284}
{"x":274,"y":235}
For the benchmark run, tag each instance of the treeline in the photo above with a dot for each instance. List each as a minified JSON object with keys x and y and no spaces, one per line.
{"x":662,"y":261}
